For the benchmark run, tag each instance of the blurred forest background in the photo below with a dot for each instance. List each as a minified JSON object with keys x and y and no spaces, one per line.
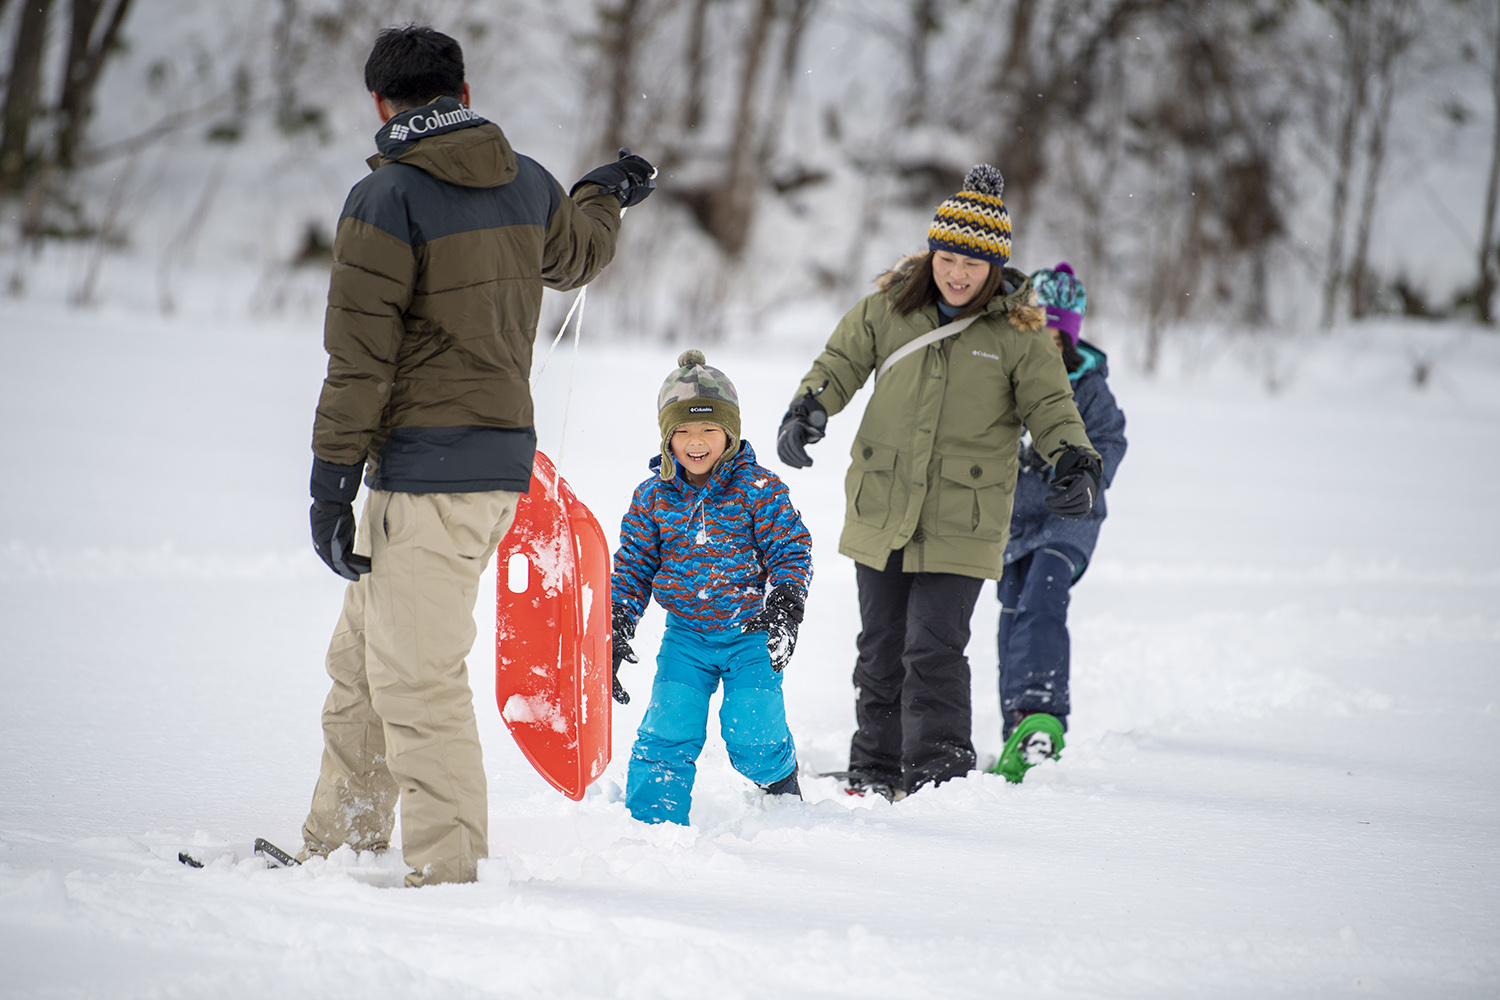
{"x":1279,"y":165}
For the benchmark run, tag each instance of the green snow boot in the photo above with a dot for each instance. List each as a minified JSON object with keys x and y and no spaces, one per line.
{"x":1035,"y":738}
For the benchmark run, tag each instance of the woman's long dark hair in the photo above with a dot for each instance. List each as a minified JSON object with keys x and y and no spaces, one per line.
{"x":921,"y":290}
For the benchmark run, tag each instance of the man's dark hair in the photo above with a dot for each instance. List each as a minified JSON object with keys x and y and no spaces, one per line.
{"x":414,"y":65}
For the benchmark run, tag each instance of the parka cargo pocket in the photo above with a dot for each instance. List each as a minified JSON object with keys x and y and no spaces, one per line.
{"x":974,"y":497}
{"x":870,"y":482}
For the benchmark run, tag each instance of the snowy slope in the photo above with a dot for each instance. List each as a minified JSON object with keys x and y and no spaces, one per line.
{"x":1281,"y":775}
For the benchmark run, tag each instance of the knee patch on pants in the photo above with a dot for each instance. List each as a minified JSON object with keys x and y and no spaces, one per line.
{"x":678,"y":714}
{"x":756,"y":734}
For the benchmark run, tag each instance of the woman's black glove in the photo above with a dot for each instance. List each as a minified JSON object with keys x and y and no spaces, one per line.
{"x":803,"y":425}
{"x":334,"y":488}
{"x":1075,"y":484}
{"x":622,"y":628}
{"x":779,"y":620}
{"x":630,"y":178}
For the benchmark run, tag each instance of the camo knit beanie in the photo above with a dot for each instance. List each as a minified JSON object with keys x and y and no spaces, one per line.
{"x":1061,"y":294}
{"x":696,"y":393}
{"x":974,"y":222}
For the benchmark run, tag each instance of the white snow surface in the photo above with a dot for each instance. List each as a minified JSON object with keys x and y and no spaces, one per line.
{"x":1282,"y":774}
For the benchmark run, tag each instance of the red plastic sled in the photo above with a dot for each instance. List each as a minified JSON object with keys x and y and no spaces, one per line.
{"x":552,"y":634}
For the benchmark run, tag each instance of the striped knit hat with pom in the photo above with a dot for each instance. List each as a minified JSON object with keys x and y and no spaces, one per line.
{"x":696,"y":393}
{"x":974,"y":222}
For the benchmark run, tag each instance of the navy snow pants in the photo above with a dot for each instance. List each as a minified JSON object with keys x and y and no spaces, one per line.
{"x":1033,"y":640}
{"x":752,"y":718}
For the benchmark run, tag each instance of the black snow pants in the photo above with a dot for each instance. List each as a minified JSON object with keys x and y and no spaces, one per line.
{"x":911,"y":681}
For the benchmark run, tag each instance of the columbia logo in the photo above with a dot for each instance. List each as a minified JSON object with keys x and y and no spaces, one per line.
{"x":982,"y":354}
{"x":420,"y":124}
{"x":700,"y":409}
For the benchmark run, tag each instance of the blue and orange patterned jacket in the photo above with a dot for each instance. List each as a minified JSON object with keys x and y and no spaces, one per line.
{"x":710,"y":553}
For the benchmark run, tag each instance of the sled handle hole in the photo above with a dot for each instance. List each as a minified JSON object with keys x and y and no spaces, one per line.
{"x":517,"y":573}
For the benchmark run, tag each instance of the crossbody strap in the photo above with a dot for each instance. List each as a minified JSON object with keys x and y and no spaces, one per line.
{"x":931,"y":337}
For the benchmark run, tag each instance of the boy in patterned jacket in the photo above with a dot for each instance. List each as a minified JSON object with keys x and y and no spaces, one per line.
{"x":715,"y":537}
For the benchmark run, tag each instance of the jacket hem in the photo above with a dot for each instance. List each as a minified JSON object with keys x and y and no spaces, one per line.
{"x":878,"y":561}
{"x":394,"y":485}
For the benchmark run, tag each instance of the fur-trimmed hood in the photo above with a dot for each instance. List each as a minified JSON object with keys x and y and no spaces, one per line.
{"x":1016,"y":298}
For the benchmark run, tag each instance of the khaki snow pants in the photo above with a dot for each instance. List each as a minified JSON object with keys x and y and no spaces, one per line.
{"x":399,"y":721}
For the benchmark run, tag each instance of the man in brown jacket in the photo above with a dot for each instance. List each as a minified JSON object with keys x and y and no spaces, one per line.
{"x":440,"y":259}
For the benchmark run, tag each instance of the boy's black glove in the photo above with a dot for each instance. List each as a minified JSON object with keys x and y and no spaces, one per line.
{"x":334,"y":488}
{"x":779,"y":620}
{"x":1075,"y":484}
{"x":622,"y":630}
{"x":630,"y":178}
{"x":803,"y":425}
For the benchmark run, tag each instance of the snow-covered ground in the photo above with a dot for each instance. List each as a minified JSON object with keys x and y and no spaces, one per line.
{"x":1282,"y":776}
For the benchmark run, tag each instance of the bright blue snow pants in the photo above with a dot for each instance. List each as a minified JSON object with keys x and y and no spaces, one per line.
{"x":689,"y":666}
{"x":1033,"y":639}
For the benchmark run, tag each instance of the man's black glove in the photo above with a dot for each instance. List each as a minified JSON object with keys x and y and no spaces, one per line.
{"x":803,"y":425}
{"x":630,"y":178}
{"x":622,"y":630}
{"x":1075,"y":484}
{"x":333,"y":490}
{"x":779,"y":620}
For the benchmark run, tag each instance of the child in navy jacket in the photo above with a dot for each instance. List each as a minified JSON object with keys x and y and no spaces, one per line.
{"x":715,"y":537}
{"x":1047,"y":554}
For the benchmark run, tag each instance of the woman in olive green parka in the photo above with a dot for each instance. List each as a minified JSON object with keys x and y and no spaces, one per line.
{"x":928,"y":493}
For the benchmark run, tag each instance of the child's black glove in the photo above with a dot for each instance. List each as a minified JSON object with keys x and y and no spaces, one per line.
{"x":779,"y":620}
{"x":1075,"y":484}
{"x":622,"y":628}
{"x":1031,"y":460}
{"x":631,"y":178}
{"x":803,"y":425}
{"x":332,"y":515}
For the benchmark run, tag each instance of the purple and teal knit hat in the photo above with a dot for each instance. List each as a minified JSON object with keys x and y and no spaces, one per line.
{"x":1061,"y":294}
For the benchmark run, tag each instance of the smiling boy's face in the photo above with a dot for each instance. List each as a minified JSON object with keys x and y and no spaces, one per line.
{"x":697,"y":447}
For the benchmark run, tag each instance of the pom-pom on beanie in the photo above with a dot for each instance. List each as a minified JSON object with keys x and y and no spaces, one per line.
{"x":974,"y":222}
{"x":696,"y":393}
{"x":1061,"y":294}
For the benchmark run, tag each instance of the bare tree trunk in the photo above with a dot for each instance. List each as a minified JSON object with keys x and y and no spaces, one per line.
{"x":1351,"y":24}
{"x":1037,"y":84}
{"x":180,"y":247}
{"x":1016,"y":91}
{"x":620,"y":50}
{"x":1015,"y":65}
{"x":734,"y":202}
{"x":692,"y":115}
{"x":109,"y":230}
{"x":799,"y":13}
{"x":21,"y":93}
{"x":1488,"y":265}
{"x":85,"y":63}
{"x":1392,"y":40}
{"x":923,"y":23}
